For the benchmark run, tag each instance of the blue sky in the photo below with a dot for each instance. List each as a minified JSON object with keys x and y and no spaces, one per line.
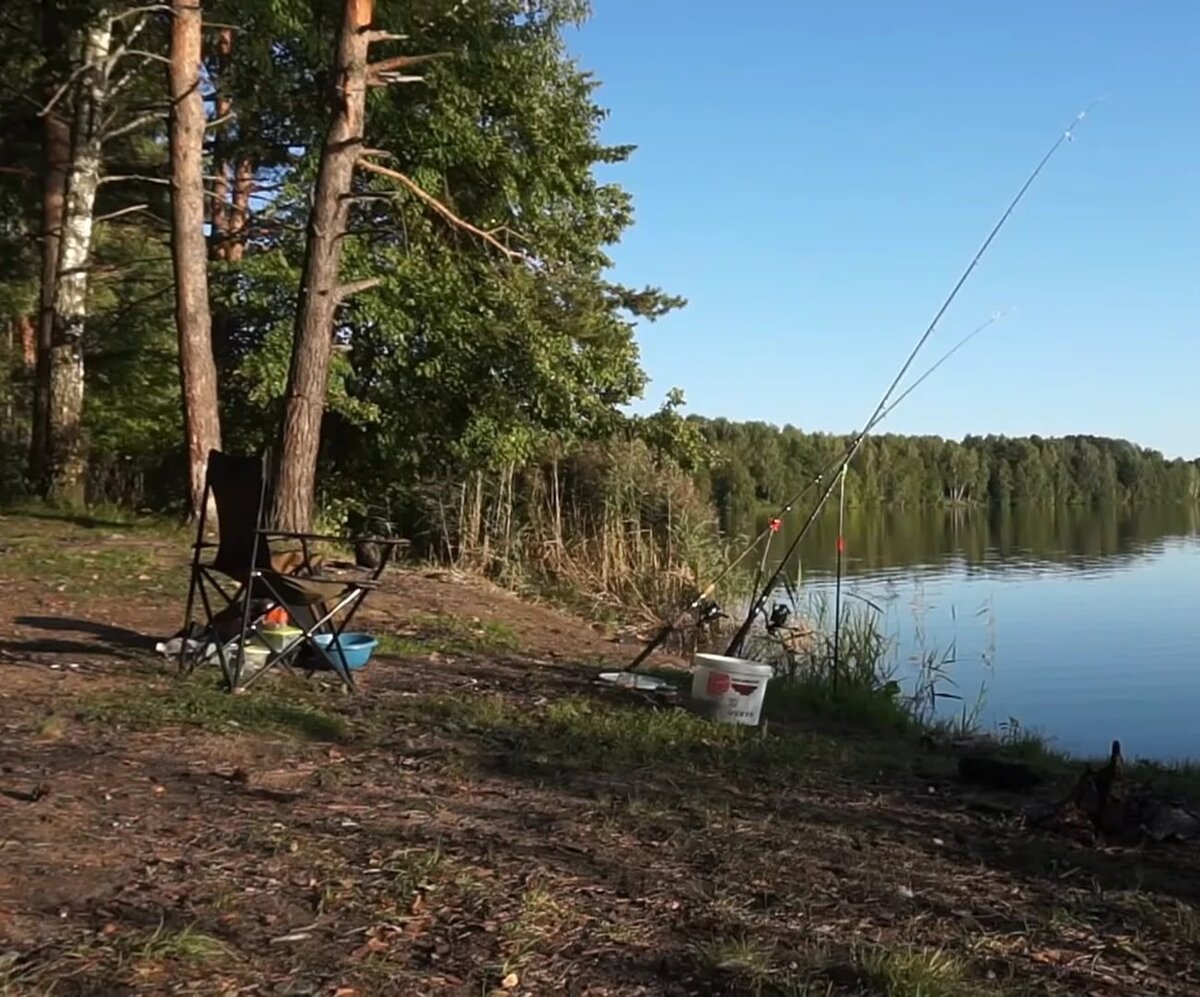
{"x":813,"y":177}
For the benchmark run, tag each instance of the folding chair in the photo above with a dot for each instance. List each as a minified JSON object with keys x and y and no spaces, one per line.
{"x":265,"y":581}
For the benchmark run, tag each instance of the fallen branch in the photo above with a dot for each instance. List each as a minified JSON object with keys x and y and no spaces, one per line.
{"x":411,"y":185}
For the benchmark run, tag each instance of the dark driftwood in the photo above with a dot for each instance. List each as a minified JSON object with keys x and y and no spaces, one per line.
{"x":998,"y":773}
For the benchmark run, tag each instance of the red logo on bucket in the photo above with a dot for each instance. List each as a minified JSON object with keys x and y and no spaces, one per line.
{"x":744,"y":688}
{"x":718,"y":683}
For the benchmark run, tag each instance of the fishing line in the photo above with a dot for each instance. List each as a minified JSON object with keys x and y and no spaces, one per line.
{"x":736,"y":644}
{"x":775,"y":522}
{"x":837,"y":591}
{"x":841,"y":534}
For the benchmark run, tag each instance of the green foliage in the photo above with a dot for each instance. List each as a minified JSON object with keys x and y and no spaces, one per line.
{"x":756,"y":467}
{"x":583,"y":735}
{"x":476,"y":395}
{"x":204,"y":705}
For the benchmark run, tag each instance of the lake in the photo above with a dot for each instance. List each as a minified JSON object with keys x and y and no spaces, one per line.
{"x":1080,"y":623}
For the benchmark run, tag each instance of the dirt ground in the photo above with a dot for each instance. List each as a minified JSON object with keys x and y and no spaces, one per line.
{"x":478,"y":817}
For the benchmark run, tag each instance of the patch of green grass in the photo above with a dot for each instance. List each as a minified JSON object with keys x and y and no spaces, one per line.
{"x":14,"y":978}
{"x":109,"y":517}
{"x":413,"y":870}
{"x":51,"y":728}
{"x":876,"y":708}
{"x":538,"y":919}
{"x":151,"y":706}
{"x":98,"y":553}
{"x":913,"y":972}
{"x":450,"y":635}
{"x":586,"y":734}
{"x":1169,"y":778}
{"x":184,"y":945}
{"x":747,"y":960}
{"x":1034,"y":748}
{"x":90,"y":566}
{"x":1175,"y":918}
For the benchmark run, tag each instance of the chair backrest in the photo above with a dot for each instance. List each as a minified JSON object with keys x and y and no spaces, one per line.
{"x":239,"y":491}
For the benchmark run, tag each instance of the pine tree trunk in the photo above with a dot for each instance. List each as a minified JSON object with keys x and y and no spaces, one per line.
{"x":193,"y":319}
{"x":219,"y":240}
{"x":27,"y":328}
{"x":243,"y":186}
{"x":308,"y":376}
{"x":56,"y":155}
{"x":65,"y":437}
{"x":8,"y":426}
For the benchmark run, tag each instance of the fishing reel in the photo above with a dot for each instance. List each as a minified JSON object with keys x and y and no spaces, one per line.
{"x":778,"y":617}
{"x":709,"y":612}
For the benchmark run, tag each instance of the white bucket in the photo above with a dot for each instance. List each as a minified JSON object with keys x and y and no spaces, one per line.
{"x":734,"y":687}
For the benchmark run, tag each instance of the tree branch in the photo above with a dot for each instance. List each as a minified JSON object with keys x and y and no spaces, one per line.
{"x":386,"y":71}
{"x":122,"y":50}
{"x":146,"y":55}
{"x":344,"y":291}
{"x":131,"y":126}
{"x":58,"y":94}
{"x":441,"y":209}
{"x":123,"y":211}
{"x":135,"y":176}
{"x":148,"y":9}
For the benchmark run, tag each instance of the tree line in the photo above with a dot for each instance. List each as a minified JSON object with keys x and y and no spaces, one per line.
{"x":753,"y":465}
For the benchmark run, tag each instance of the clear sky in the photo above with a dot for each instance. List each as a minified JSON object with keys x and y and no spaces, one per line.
{"x":813,"y":177}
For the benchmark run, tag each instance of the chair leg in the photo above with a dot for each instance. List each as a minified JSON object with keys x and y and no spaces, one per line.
{"x":187,"y":620}
{"x":240,"y":657}
{"x":230,"y":603}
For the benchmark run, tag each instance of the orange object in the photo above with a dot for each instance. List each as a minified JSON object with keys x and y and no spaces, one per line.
{"x":276,"y":617}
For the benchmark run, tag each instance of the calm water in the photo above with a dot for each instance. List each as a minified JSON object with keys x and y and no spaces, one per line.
{"x":1083,"y":624}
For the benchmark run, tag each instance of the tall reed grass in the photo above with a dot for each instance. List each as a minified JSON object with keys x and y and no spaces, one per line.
{"x":866,"y":679}
{"x":606,"y":524}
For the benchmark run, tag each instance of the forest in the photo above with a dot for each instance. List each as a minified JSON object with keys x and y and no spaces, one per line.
{"x":753,"y":466}
{"x":371,"y":239}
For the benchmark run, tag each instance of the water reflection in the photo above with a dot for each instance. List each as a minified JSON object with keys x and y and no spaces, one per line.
{"x":980,"y":542}
{"x":1078,"y":622}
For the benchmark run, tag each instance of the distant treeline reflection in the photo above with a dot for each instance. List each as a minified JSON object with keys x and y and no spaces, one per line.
{"x":1068,"y":537}
{"x":753,"y":464}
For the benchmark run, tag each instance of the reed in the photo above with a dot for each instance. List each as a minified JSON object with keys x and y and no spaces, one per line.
{"x":605,"y":525}
{"x":865,"y":682}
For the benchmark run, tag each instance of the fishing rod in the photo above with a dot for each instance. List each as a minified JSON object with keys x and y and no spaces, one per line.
{"x":735,"y":645}
{"x":774,"y":524}
{"x":841,"y":533}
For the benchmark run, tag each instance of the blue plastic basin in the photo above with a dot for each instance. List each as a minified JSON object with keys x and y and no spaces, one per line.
{"x":357,"y":648}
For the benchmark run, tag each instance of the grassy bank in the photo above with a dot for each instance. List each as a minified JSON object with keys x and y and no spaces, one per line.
{"x":481,"y":817}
